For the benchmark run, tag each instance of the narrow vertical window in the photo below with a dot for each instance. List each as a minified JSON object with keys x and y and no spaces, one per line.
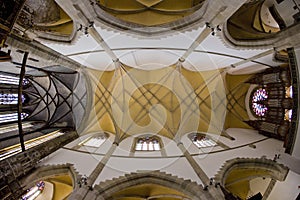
{"x":289,"y":92}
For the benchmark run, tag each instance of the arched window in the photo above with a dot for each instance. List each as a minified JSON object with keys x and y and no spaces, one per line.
{"x":147,"y":143}
{"x":94,"y":141}
{"x":12,"y":80}
{"x":11,"y":117}
{"x":258,"y":97}
{"x":201,"y":140}
{"x":8,"y":98}
{"x":34,"y":192}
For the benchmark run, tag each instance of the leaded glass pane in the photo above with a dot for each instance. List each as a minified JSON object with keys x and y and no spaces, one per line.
{"x":258,"y":97}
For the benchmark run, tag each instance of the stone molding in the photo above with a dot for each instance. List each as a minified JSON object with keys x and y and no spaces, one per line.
{"x":39,"y":50}
{"x":87,"y":11}
{"x":104,"y":190}
{"x":188,"y":23}
{"x":284,"y":39}
{"x":48,"y":171}
{"x":277,"y":171}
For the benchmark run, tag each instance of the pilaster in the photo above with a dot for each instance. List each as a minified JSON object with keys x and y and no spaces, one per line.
{"x":85,"y":191}
{"x":214,"y":191}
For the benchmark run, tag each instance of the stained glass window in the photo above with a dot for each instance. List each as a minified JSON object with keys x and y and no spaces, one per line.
{"x":10,"y":98}
{"x":34,"y":192}
{"x":147,"y":143}
{"x":258,"y":97}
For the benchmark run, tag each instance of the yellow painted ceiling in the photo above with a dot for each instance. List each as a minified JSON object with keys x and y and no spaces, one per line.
{"x":163,"y":101}
{"x":62,"y":186}
{"x":238,"y":180}
{"x":246,"y":23}
{"x":149,"y":12}
{"x":64,"y":26}
{"x":236,"y":93}
{"x":152,"y":191}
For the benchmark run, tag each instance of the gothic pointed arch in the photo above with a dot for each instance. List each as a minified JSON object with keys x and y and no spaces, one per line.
{"x":235,"y":175}
{"x":58,"y":180}
{"x":109,"y":188}
{"x":259,"y":24}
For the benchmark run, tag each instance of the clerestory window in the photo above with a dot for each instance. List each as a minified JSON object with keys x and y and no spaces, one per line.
{"x":94,"y":141}
{"x":11,"y":99}
{"x":147,"y":143}
{"x":12,"y":80}
{"x":11,"y":117}
{"x":202,"y":140}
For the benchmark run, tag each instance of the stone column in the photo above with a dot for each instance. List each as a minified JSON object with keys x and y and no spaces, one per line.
{"x":201,"y":37}
{"x":215,"y":192}
{"x":269,"y":189}
{"x":94,"y":33}
{"x":83,"y":192}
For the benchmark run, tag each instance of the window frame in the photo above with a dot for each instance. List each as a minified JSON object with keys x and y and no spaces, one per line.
{"x":150,"y":138}
{"x":192,"y":137}
{"x":252,"y":102}
{"x":94,"y":136}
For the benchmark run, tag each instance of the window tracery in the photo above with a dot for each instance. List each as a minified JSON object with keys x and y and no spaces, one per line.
{"x":147,"y":143}
{"x":201,"y":140}
{"x":288,"y":114}
{"x":94,"y":141}
{"x":258,"y":107}
{"x":289,"y":92}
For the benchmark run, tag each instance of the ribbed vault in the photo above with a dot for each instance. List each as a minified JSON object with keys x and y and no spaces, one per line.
{"x":150,"y":13}
{"x":171,"y":101}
